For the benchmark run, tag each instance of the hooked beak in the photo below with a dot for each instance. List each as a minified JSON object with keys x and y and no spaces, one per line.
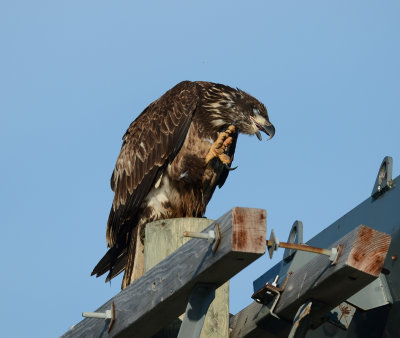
{"x":268,"y":128}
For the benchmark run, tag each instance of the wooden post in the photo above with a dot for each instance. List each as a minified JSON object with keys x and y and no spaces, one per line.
{"x":162,"y":239}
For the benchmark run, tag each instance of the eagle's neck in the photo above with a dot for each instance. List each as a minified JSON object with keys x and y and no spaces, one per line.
{"x":218,"y":105}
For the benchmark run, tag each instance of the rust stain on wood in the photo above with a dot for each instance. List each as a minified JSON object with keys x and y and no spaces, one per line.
{"x":249,"y":230}
{"x":365,"y":235}
{"x":240,"y":239}
{"x":239,"y":217}
{"x":369,"y":251}
{"x":358,"y":256}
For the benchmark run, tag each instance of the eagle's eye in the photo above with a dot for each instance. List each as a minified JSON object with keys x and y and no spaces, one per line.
{"x":255,"y":111}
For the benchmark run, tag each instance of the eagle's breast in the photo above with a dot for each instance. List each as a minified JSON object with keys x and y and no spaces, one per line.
{"x":182,"y":190}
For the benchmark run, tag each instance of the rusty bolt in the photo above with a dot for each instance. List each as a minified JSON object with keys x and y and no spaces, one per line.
{"x":394,"y":257}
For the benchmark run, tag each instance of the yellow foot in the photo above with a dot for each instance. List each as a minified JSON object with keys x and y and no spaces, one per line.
{"x":220,"y":146}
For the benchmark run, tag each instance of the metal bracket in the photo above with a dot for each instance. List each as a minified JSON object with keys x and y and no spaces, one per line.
{"x":383,"y":180}
{"x":295,"y":236}
{"x":265,"y":294}
{"x":108,"y":315}
{"x":196,"y":310}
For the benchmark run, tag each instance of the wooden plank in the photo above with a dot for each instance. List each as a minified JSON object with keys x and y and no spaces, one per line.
{"x":161,"y":294}
{"x":162,"y":239}
{"x":360,"y":262}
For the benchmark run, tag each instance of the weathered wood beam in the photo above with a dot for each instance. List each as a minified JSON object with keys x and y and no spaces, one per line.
{"x":161,"y":294}
{"x":360,"y":262}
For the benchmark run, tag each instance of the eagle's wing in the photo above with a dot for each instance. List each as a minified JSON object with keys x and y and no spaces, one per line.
{"x":150,"y":143}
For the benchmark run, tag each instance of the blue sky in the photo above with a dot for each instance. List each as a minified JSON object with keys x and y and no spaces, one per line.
{"x":74,"y":74}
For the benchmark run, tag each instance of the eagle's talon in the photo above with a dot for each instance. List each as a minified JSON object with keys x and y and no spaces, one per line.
{"x":227,"y":142}
{"x":225,"y":159}
{"x":211,"y":154}
{"x":230,"y":168}
{"x":219,"y":147}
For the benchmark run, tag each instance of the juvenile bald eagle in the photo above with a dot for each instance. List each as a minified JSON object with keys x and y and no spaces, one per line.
{"x":173,"y":156}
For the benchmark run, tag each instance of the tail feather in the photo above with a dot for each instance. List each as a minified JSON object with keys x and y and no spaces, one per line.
{"x":116,"y":260}
{"x":118,"y":267}
{"x":104,"y":264}
{"x":121,"y":256}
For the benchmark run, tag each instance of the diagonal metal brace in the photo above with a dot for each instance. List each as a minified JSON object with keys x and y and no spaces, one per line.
{"x":196,"y":310}
{"x":300,"y":322}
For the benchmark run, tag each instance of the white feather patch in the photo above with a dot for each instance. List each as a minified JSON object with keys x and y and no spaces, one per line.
{"x":158,"y":182}
{"x":183,"y":175}
{"x":158,"y":196}
{"x":218,"y":122}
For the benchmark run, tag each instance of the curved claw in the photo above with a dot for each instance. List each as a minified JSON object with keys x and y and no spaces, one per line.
{"x":229,"y":168}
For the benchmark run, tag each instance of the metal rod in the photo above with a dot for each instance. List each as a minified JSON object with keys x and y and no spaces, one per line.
{"x":109,"y":314}
{"x":106,"y":315}
{"x":209,"y":236}
{"x":302,"y":247}
{"x":196,"y":234}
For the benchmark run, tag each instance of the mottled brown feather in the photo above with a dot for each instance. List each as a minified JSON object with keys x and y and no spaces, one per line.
{"x":164,"y":143}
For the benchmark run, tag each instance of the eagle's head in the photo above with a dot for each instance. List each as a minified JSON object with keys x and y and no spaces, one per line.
{"x":251,"y":116}
{"x":228,"y":106}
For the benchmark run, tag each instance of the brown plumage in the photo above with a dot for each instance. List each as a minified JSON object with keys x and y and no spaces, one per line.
{"x":161,"y":171}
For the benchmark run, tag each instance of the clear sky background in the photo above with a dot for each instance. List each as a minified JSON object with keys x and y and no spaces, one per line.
{"x":74,"y":74}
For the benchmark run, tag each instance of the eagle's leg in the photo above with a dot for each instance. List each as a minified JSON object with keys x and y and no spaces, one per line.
{"x":221,"y":145}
